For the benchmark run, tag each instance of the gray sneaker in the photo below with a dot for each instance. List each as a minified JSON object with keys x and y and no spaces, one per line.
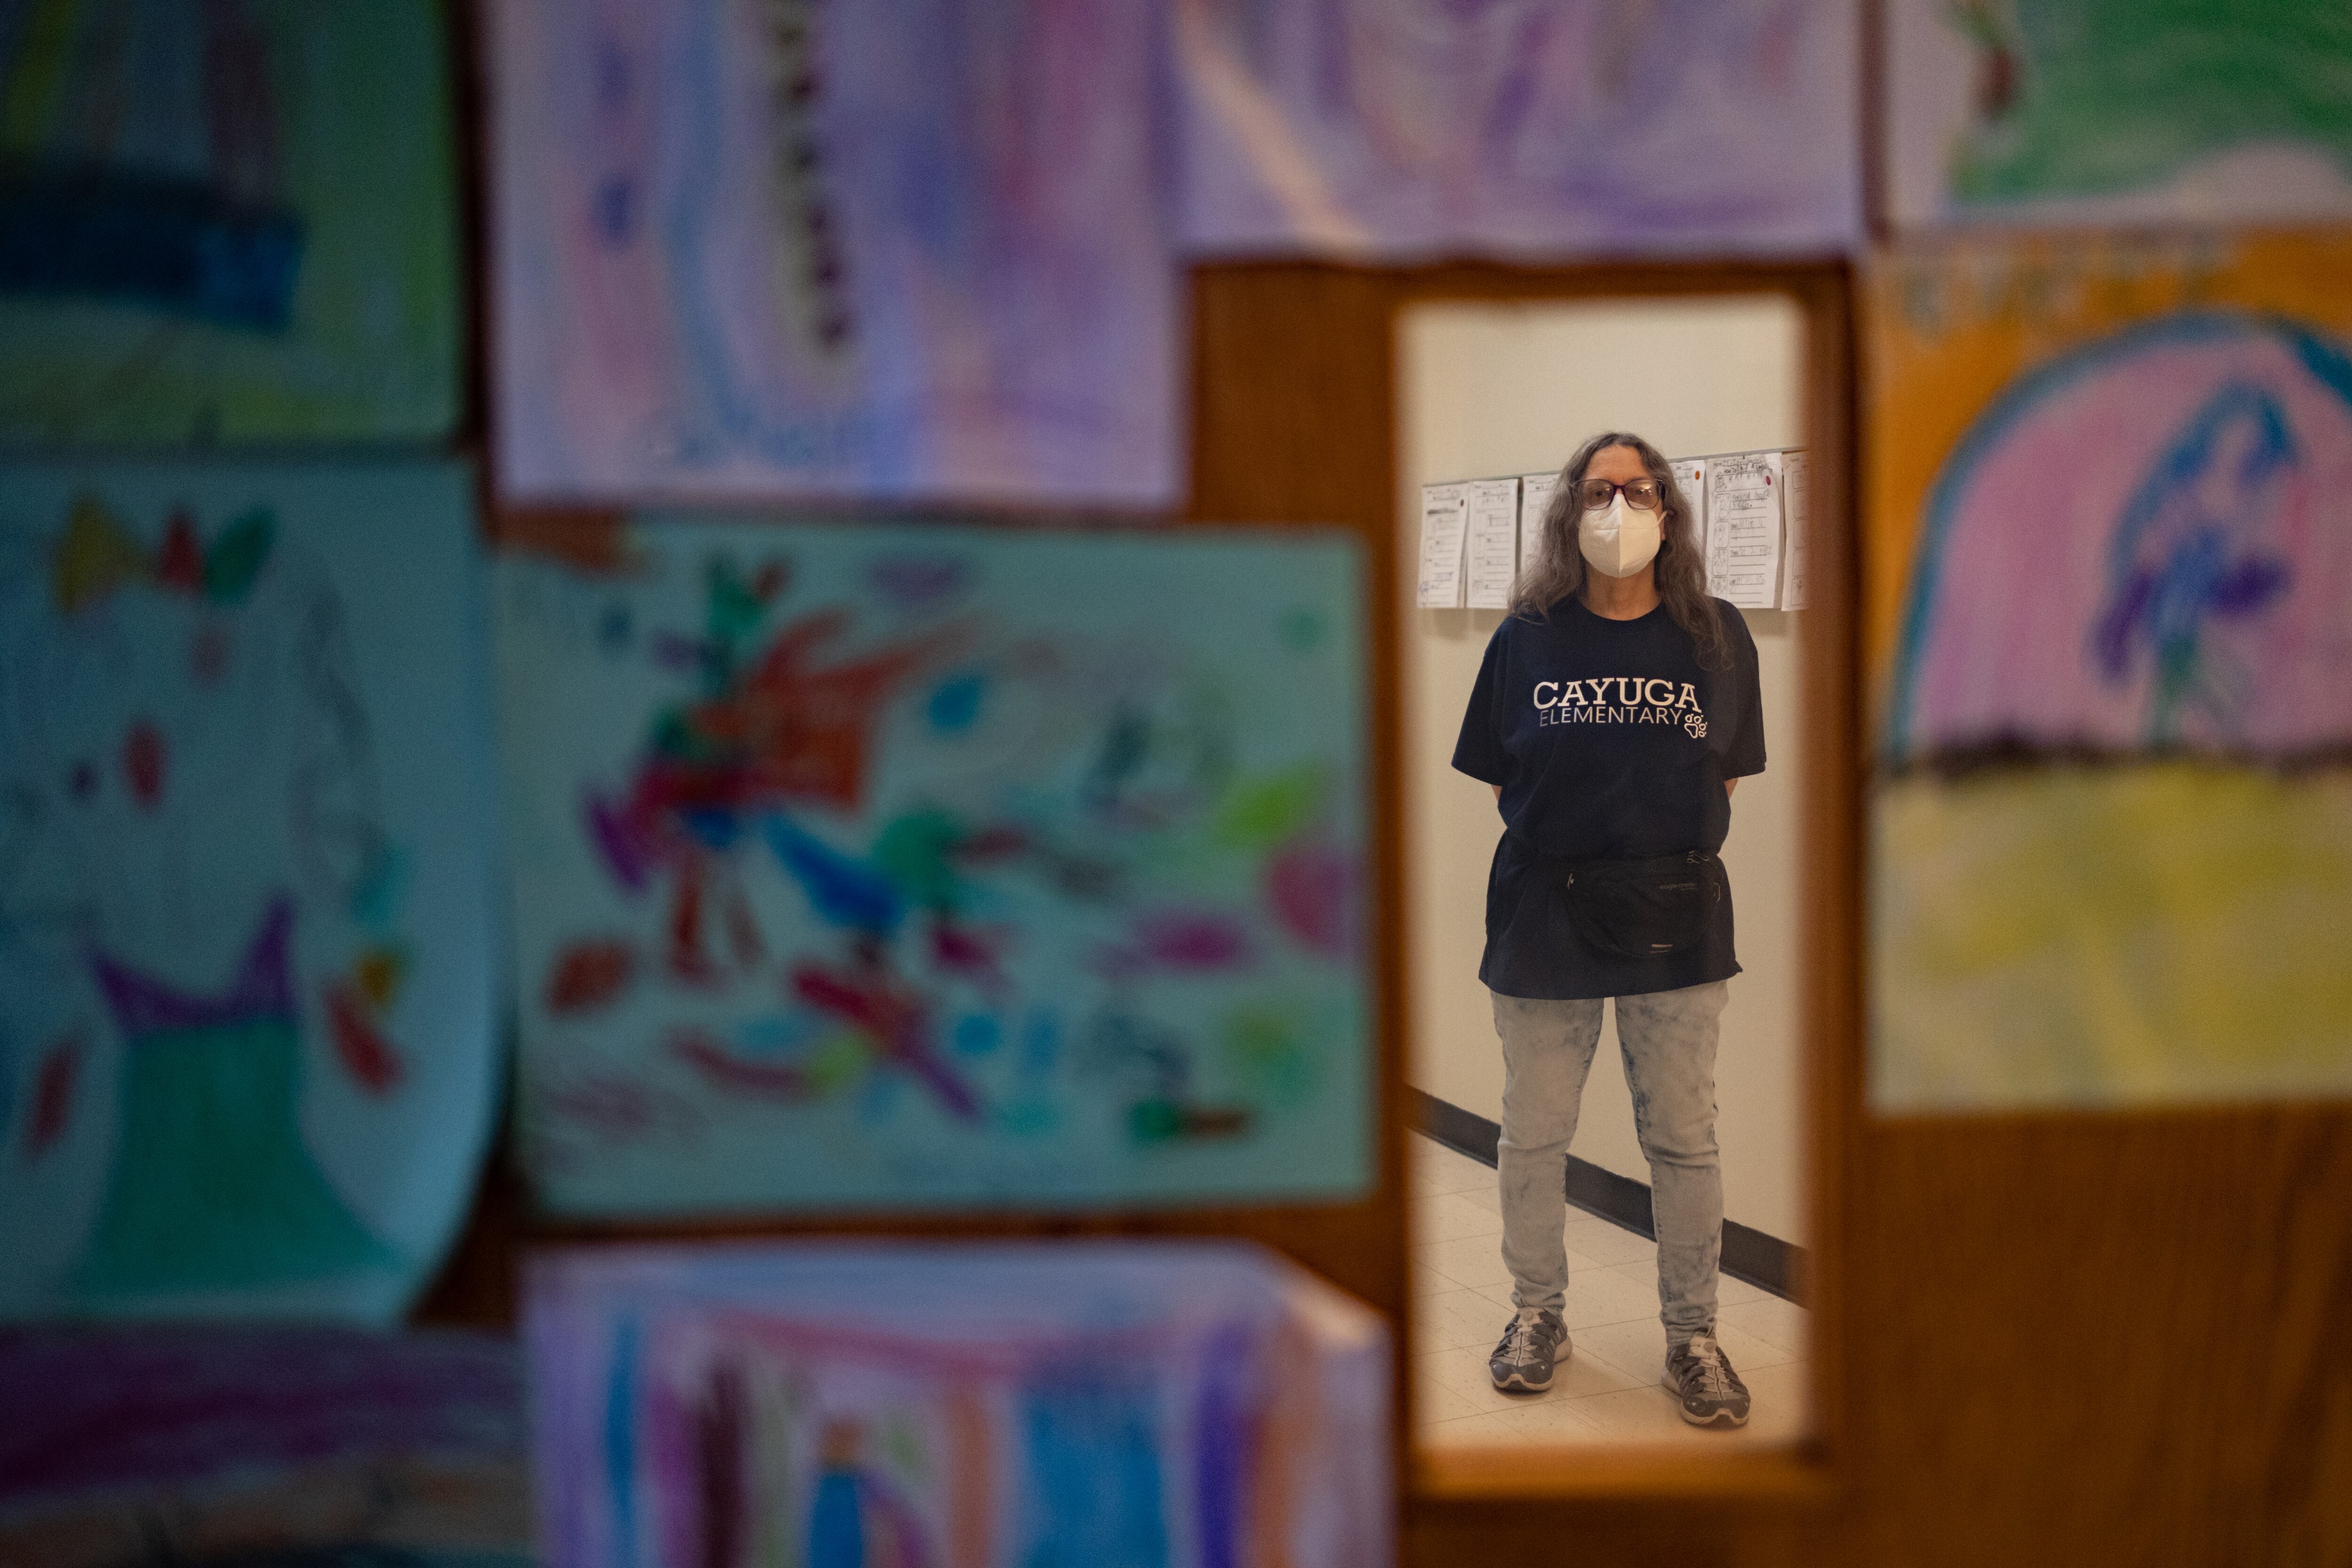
{"x":1699,"y":1375}
{"x":1522,"y":1362}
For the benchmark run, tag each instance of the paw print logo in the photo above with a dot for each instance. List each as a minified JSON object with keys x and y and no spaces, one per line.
{"x":1695,"y":723}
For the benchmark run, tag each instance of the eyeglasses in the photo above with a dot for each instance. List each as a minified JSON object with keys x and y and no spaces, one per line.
{"x":1642,"y":495}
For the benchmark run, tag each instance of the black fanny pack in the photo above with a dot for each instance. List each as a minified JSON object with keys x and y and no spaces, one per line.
{"x":1644,"y":909}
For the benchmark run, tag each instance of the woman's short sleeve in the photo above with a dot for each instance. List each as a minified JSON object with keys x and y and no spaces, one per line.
{"x":1479,"y":752}
{"x":1744,"y":755}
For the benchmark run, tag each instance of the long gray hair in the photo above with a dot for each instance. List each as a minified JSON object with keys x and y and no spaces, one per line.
{"x":1558,"y":570}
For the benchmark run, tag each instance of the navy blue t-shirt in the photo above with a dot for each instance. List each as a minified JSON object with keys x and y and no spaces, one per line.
{"x":1611,"y":743}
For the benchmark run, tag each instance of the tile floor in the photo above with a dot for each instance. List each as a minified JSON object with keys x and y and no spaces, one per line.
{"x":1607,"y":1391}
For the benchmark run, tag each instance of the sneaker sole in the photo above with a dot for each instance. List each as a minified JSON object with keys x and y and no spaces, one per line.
{"x":1721,"y":1419}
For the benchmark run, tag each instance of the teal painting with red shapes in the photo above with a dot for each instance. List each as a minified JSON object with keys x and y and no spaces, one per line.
{"x":929,"y":866}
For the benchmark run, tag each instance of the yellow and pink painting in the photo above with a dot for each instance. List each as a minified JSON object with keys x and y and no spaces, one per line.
{"x":2108,"y":605}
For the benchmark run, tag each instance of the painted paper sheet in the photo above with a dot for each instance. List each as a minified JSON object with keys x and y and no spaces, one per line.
{"x":1491,"y":515}
{"x":1743,"y":529}
{"x":2070,"y":112}
{"x":1445,"y":528}
{"x":247,"y":984}
{"x":910,"y":249}
{"x":1535,"y":500}
{"x":243,"y":1448}
{"x":937,"y":866}
{"x":2115,"y":827}
{"x":1181,"y":1406}
{"x":1533,"y":128}
{"x":228,"y":222}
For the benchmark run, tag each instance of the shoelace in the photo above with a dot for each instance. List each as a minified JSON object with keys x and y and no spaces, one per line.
{"x":1519,"y":1340}
{"x":1714,"y":1375}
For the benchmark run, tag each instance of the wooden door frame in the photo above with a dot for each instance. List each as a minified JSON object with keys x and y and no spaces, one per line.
{"x":1296,"y":408}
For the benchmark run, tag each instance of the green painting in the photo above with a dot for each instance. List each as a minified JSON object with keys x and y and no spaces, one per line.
{"x":2071,"y":110}
{"x":226,"y":223}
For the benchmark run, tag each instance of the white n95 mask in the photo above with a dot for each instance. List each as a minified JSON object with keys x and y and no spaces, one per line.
{"x":1619,"y":540}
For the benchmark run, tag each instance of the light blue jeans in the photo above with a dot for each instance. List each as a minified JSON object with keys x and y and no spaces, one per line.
{"x":1668,"y":1041}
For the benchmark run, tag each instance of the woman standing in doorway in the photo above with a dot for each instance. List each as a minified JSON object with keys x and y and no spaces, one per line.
{"x":1617,"y":708}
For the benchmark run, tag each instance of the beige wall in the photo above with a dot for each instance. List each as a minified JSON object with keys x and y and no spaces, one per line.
{"x":1492,"y":390}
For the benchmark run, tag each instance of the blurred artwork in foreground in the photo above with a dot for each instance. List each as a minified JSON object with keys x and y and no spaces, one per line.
{"x":2114,"y":823}
{"x":936,"y":865}
{"x":246,"y":1044}
{"x":234,"y":222}
{"x":906,"y":250}
{"x":1172,"y":1405}
{"x":2075,"y":112}
{"x":262,"y":1449}
{"x":1407,"y":130}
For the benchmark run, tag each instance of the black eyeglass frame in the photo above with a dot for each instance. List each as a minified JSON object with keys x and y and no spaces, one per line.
{"x":1657,"y":494}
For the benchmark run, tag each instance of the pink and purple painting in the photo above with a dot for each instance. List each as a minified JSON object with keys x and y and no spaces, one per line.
{"x":910,"y":250}
{"x":1150,"y":1405}
{"x":262,"y":1448}
{"x":1533,"y":128}
{"x":2141,"y":547}
{"x":936,"y":865}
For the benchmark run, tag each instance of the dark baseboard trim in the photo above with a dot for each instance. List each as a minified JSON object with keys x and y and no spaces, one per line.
{"x":1764,"y":1262}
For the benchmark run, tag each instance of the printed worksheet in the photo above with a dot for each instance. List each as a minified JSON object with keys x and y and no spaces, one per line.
{"x":1690,"y":474}
{"x":1444,"y":517}
{"x":1535,"y":499}
{"x":1493,"y":526}
{"x":1743,"y":529}
{"x":1796,"y":506}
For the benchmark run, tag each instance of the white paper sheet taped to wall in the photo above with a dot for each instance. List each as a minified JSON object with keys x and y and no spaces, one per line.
{"x":1535,"y":499}
{"x":1743,"y":529}
{"x":1796,"y":517}
{"x":1690,"y":476}
{"x":1445,"y":516}
{"x":1493,"y":527}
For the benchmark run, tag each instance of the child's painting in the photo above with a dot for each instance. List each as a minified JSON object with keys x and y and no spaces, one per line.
{"x":2072,"y":113}
{"x":1409,"y":129}
{"x":232,"y":222}
{"x":246,"y":976}
{"x":286,"y":1447}
{"x":2111,"y":610}
{"x":901,"y":249}
{"x":1156,"y":1406}
{"x":936,"y":866}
